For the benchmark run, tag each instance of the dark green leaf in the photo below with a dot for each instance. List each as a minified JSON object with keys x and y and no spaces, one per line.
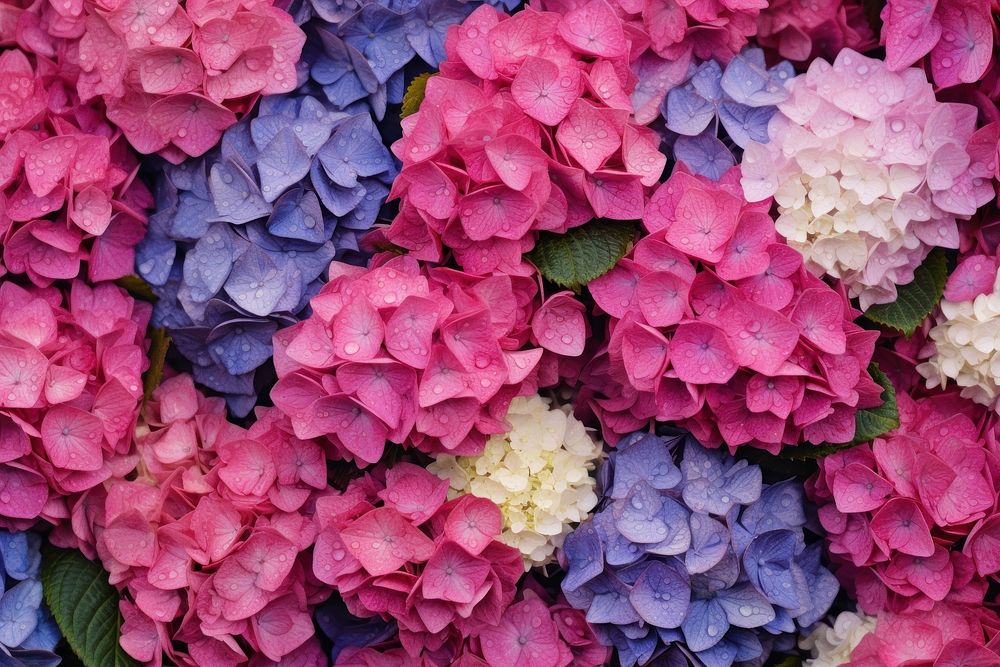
{"x":85,"y":607}
{"x":869,"y":423}
{"x":583,"y":253}
{"x":915,"y":300}
{"x":137,"y":287}
{"x":159,"y":343}
{"x":783,"y":660}
{"x":414,"y":94}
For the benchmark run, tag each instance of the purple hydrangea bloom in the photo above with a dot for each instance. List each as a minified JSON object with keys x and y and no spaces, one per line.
{"x":242,"y":238}
{"x":697,"y":560}
{"x":742,"y":98}
{"x":28,"y":634}
{"x":356,"y":50}
{"x":344,"y":630}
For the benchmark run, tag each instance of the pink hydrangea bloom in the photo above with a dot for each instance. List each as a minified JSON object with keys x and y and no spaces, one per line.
{"x":957,"y":34}
{"x":869,"y":172}
{"x":715,"y":325}
{"x":70,"y":384}
{"x":945,"y":635}
{"x":393,"y":547}
{"x":525,"y":129}
{"x":427,"y":357}
{"x":173,"y":74}
{"x":209,"y":538}
{"x":68,"y":187}
{"x":800,"y":31}
{"x":910,"y":518}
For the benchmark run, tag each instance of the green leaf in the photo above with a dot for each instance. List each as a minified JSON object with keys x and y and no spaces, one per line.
{"x":869,"y":423}
{"x":85,"y":607}
{"x":137,"y":287}
{"x":414,"y":94}
{"x":915,"y":300}
{"x":159,"y":343}
{"x":583,"y":253}
{"x":784,"y":660}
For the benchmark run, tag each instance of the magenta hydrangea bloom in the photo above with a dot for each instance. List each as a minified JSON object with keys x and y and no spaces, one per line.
{"x":68,"y":188}
{"x":869,"y":171}
{"x":172,"y":73}
{"x":910,"y":518}
{"x":945,"y":635}
{"x":525,"y":129}
{"x":71,"y":367}
{"x":800,"y":31}
{"x":426,"y":357}
{"x":957,"y":34}
{"x":715,"y":325}
{"x":209,"y":537}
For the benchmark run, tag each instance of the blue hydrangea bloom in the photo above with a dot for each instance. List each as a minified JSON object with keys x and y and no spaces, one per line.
{"x":28,"y":634}
{"x":356,"y":50}
{"x":698,"y":559}
{"x":742,"y":97}
{"x":344,"y":630}
{"x":241,"y":239}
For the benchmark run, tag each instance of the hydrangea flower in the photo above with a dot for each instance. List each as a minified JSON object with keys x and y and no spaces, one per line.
{"x":71,"y":365}
{"x":910,"y":518}
{"x":538,"y":474}
{"x":391,"y":546}
{"x":209,"y":538}
{"x":348,"y":633}
{"x":831,"y":645}
{"x":800,"y":31}
{"x":525,"y":129}
{"x":944,"y":635}
{"x":715,"y":325}
{"x":965,"y":340}
{"x":701,"y":559}
{"x":426,"y":357}
{"x":356,"y":71}
{"x":68,"y":187}
{"x":958,"y":35}
{"x":741,"y":95}
{"x":241,"y":240}
{"x":173,"y":74}
{"x":28,"y":633}
{"x":869,"y":172}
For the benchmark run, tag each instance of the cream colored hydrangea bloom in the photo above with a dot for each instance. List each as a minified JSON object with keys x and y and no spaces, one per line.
{"x":538,"y":474}
{"x":967,"y":347}
{"x":832,"y":646}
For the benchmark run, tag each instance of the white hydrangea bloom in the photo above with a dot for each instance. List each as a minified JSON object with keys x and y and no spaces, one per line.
{"x":832,"y":646}
{"x":967,"y":347}
{"x":538,"y":474}
{"x":869,"y":172}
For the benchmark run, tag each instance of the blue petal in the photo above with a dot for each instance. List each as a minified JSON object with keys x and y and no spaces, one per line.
{"x":46,"y":635}
{"x":190,"y":342}
{"x":610,"y":603}
{"x":241,"y":346}
{"x":687,"y":112}
{"x":662,"y":593}
{"x":19,"y":612}
{"x":747,"y":82}
{"x":256,"y":282}
{"x":780,"y":506}
{"x":208,"y":264}
{"x":705,"y":155}
{"x":636,"y":515}
{"x":236,"y":196}
{"x":281,"y":164}
{"x":153,"y":259}
{"x":191,"y":219}
{"x":706,"y":81}
{"x":237,"y":143}
{"x":744,"y":124}
{"x":709,"y":543}
{"x":768,"y":563}
{"x":366,"y":212}
{"x":380,"y":34}
{"x":297,"y":215}
{"x":647,"y":459}
{"x":705,"y":624}
{"x":745,"y":607}
{"x":338,"y":200}
{"x":584,"y":556}
{"x":354,"y":150}
{"x":677,"y":538}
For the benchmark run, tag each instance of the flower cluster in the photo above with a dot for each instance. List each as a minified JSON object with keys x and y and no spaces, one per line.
{"x":965,"y":340}
{"x":28,"y":634}
{"x":207,"y":539}
{"x":348,"y":633}
{"x":946,"y":634}
{"x":356,"y":51}
{"x":525,"y":129}
{"x":172,"y":74}
{"x":831,"y":645}
{"x":429,"y":358}
{"x":800,"y":31}
{"x":716,"y":326}
{"x":391,"y":546}
{"x":241,"y":240}
{"x":897,"y":511}
{"x":70,"y":385}
{"x":702,"y":559}
{"x":742,"y":95}
{"x":958,"y":35}
{"x":68,"y":187}
{"x":869,"y":172}
{"x":538,"y":474}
